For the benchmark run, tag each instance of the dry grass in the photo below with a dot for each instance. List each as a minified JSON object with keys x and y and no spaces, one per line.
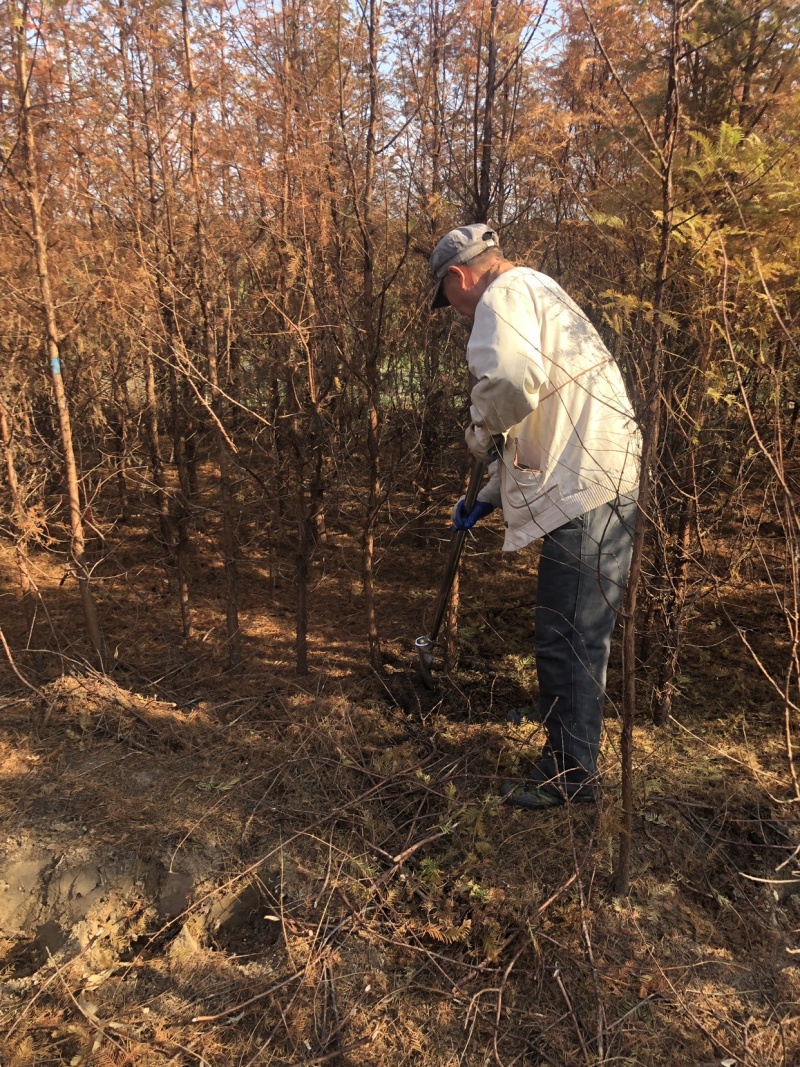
{"x":298,"y":871}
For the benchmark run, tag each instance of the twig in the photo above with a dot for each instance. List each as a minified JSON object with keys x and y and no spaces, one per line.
{"x":90,"y":1017}
{"x":25,"y":682}
{"x":601,"y":1018}
{"x":472,"y":1017}
{"x":246,"y":1003}
{"x":337,"y":1052}
{"x":401,"y":857}
{"x":789,"y":859}
{"x":554,"y":896}
{"x":486,"y":963}
{"x":631,"y":1011}
{"x":499,"y":1011}
{"x":568,"y":1002}
{"x":769,"y":881}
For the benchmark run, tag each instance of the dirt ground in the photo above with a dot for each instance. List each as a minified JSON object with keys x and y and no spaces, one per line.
{"x":203,"y":869}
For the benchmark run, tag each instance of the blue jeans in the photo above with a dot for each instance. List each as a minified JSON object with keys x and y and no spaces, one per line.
{"x":582,"y":574}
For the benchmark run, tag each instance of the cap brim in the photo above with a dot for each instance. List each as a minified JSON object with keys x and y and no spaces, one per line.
{"x":439,"y":299}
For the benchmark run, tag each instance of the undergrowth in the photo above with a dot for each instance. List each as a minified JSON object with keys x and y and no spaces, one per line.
{"x":355,"y":890}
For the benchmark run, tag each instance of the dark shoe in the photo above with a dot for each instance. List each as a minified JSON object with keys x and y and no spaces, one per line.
{"x":532,"y":796}
{"x":550,"y":785}
{"x":558,"y":773}
{"x":529,"y":795}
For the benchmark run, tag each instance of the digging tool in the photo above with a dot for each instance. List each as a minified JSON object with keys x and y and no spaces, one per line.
{"x":426,"y":645}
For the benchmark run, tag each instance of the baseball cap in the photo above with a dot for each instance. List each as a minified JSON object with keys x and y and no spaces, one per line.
{"x":459,"y":246}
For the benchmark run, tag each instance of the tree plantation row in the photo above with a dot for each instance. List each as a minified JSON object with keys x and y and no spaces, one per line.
{"x":216,"y":219}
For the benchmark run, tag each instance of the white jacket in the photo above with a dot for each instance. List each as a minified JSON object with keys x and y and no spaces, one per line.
{"x":547,"y":383}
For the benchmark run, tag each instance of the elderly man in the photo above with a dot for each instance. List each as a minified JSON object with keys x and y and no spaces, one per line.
{"x":551,"y":413}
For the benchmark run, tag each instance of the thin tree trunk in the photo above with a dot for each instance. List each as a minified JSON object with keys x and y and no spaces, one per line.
{"x":179,"y":512}
{"x":30,"y":595}
{"x":750,"y":67}
{"x":674,"y":611}
{"x":174,"y":527}
{"x":120,"y":432}
{"x":303,"y":391}
{"x":675,"y":607}
{"x":174,"y":518}
{"x":154,"y":450}
{"x":482,"y":200}
{"x":210,"y":349}
{"x":33,"y":197}
{"x":651,"y":436}
{"x":431,"y":386}
{"x":372,"y":343}
{"x":302,"y":558}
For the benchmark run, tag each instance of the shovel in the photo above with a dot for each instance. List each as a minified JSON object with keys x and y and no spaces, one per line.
{"x":426,"y":645}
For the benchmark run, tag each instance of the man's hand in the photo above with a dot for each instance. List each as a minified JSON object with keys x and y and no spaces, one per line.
{"x":479,"y":442}
{"x":465,"y":520}
{"x":482,"y":445}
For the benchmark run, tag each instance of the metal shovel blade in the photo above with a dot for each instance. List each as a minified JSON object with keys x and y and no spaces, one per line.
{"x":424,"y":647}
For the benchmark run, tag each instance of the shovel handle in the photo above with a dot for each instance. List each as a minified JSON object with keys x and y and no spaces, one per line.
{"x":456,"y":546}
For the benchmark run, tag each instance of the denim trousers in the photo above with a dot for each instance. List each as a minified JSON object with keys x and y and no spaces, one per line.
{"x":582,"y":574}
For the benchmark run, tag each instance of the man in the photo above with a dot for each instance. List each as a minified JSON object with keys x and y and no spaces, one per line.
{"x":550,"y":411}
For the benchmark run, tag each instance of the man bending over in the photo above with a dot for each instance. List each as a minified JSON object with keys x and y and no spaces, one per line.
{"x":550,"y":413}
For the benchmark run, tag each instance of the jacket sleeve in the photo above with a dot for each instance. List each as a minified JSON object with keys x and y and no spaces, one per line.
{"x":504,"y":353}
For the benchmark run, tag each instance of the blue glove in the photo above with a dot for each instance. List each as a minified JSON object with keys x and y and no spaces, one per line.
{"x":463,"y":520}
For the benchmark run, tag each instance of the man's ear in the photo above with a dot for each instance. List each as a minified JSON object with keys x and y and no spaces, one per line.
{"x":464,"y":282}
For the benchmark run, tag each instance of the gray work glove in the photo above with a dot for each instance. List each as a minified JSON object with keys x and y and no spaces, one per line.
{"x":482,"y":444}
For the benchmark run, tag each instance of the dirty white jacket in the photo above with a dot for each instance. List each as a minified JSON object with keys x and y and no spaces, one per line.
{"x":548,"y":384}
